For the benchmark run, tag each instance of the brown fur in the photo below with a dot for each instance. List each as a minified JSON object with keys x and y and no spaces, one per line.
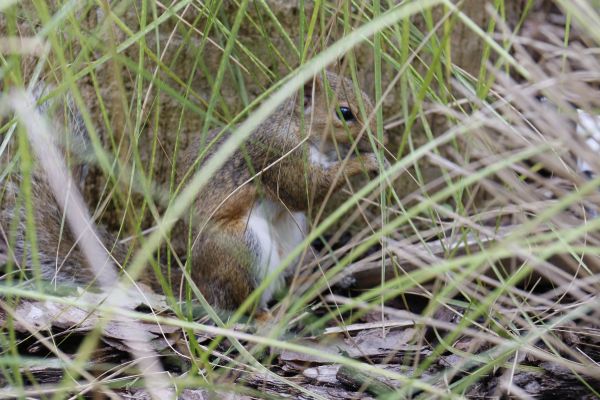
{"x":222,"y":258}
{"x":57,"y":252}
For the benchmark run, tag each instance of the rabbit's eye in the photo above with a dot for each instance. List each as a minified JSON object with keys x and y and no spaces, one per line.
{"x":345,"y":113}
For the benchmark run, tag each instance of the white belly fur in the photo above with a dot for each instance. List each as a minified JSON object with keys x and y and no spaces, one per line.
{"x":273,"y":232}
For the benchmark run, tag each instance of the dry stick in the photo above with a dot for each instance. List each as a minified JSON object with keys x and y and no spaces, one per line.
{"x":78,"y":217}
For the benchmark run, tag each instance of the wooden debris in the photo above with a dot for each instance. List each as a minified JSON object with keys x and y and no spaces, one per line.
{"x":551,"y":381}
{"x":359,"y":380}
{"x":369,"y":325}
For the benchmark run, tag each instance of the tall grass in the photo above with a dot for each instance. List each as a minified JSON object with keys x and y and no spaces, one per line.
{"x":481,"y":212}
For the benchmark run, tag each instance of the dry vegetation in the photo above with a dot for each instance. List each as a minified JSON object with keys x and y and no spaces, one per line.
{"x":478,"y":280}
